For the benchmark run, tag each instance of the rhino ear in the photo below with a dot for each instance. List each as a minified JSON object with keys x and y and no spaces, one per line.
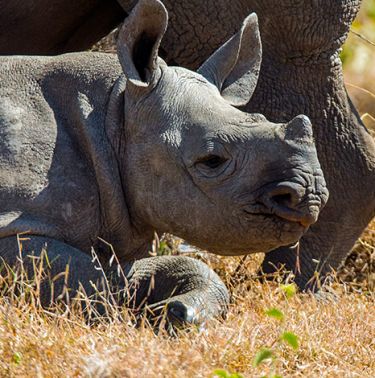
{"x":139,"y":40}
{"x":234,"y":67}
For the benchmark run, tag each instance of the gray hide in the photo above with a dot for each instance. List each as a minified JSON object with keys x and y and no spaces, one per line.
{"x":95,"y":145}
{"x":301,"y":73}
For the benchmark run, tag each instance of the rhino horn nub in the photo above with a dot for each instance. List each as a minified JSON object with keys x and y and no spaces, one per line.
{"x":299,"y":129}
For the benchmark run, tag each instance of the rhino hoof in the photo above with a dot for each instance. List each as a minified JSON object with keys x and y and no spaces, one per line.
{"x":180,"y":314}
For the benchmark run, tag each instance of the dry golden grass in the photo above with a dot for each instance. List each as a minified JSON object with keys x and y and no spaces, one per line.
{"x":336,"y":339}
{"x":359,"y":267}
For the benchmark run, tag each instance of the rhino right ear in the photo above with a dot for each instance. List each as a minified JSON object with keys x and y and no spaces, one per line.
{"x":234,"y":67}
{"x":139,"y":40}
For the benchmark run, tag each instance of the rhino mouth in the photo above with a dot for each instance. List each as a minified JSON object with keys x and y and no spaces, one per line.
{"x":288,"y":201}
{"x":283,"y":214}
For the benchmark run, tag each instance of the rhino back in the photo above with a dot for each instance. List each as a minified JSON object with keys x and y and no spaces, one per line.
{"x":52,"y":115}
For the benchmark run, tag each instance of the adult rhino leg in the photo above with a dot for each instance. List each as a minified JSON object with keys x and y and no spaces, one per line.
{"x":346,"y":152}
{"x":186,"y":288}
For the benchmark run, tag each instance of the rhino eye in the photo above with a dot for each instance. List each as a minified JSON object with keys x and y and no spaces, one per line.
{"x":212,"y":161}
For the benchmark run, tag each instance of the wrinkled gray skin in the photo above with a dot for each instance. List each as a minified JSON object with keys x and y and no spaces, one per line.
{"x":98,"y":146}
{"x":303,"y":68}
{"x":300,"y":74}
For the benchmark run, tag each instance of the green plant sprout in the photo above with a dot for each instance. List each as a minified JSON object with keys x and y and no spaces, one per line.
{"x":285,"y":337}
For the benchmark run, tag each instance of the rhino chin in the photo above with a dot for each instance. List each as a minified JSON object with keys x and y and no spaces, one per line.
{"x":287,"y":239}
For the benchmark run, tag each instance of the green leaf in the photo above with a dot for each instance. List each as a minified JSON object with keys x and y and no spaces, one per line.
{"x":291,"y":339}
{"x":289,"y":290}
{"x":275,"y":313}
{"x":221,"y":373}
{"x":163,"y":248}
{"x":263,"y":354}
{"x":17,"y":358}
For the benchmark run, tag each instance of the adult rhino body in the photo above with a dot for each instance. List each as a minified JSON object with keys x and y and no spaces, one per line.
{"x":45,"y":27}
{"x":301,"y":73}
{"x":94,"y":146}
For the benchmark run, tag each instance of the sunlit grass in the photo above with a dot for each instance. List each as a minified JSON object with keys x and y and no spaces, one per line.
{"x":334,"y":339}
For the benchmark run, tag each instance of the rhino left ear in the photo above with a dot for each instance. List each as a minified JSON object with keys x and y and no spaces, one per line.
{"x":234,"y":67}
{"x":139,"y":40}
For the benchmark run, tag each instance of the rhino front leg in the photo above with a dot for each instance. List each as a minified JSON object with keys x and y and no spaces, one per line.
{"x":186,"y":288}
{"x":65,"y":268}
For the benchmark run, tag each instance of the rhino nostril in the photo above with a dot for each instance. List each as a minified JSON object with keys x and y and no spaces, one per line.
{"x":282,"y":199}
{"x":289,"y":201}
{"x":284,"y":196}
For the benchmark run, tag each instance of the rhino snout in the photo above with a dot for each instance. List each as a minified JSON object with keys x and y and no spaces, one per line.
{"x":293,"y":202}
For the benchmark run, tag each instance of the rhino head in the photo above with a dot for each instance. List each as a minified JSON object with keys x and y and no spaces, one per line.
{"x":198,"y":167}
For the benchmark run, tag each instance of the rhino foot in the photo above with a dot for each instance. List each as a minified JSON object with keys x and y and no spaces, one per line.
{"x":181,"y":290}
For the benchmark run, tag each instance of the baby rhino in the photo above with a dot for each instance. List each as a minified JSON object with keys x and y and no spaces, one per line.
{"x":100,"y":147}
